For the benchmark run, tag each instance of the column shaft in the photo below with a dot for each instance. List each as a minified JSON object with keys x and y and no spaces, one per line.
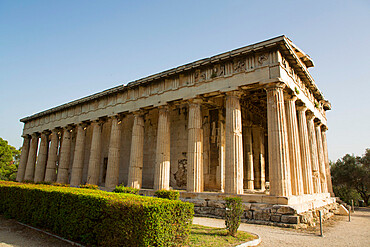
{"x":313,"y":151}
{"x":51,"y":168}
{"x":277,"y":142}
{"x":305,"y":151}
{"x":262,"y":159}
{"x":326,"y":158}
{"x":320,"y":152}
{"x":78,"y":157}
{"x":256,"y":156}
{"x":137,"y":153}
{"x":234,"y":145}
{"x":65,"y":157}
{"x":42,"y":158}
{"x":294,"y":148}
{"x":31,"y":161}
{"x":112,"y":177}
{"x":249,"y":166}
{"x":95,"y":154}
{"x":220,"y":176}
{"x":162,"y":166}
{"x":23,"y":160}
{"x":195,"y":148}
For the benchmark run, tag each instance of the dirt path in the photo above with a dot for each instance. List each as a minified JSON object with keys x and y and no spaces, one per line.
{"x":337,"y":232}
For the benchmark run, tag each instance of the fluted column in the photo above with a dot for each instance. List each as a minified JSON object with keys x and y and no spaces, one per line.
{"x":294,"y":148}
{"x":79,"y":154}
{"x":234,"y":145}
{"x":23,"y":160}
{"x":137,"y":152}
{"x":42,"y":157}
{"x":277,"y":142}
{"x":320,"y":152}
{"x":326,"y":158}
{"x":195,"y":148}
{"x":32,"y":156}
{"x":112,"y":177}
{"x":305,"y":151}
{"x":262,"y":159}
{"x":65,"y":156}
{"x":313,"y":151}
{"x":95,"y":153}
{"x":249,"y":167}
{"x":256,"y":156}
{"x":220,"y":177}
{"x":51,"y":168}
{"x":162,"y":165}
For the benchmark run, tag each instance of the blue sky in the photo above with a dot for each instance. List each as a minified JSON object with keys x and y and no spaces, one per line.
{"x":52,"y":52}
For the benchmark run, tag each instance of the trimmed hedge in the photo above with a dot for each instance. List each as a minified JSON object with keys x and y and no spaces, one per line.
{"x":128,"y":190}
{"x":167,"y":194}
{"x":95,"y":217}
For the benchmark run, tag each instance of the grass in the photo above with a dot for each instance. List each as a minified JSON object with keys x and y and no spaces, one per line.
{"x":216,"y":237}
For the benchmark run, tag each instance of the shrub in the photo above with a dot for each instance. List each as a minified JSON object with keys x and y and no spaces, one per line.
{"x":98,"y":218}
{"x":60,"y":184}
{"x":234,"y":211}
{"x":167,"y":194}
{"x":128,"y":190}
{"x":43,"y":182}
{"x":89,"y":186}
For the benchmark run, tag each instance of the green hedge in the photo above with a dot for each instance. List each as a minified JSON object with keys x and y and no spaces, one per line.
{"x":167,"y":194}
{"x":128,"y":190}
{"x":95,"y":217}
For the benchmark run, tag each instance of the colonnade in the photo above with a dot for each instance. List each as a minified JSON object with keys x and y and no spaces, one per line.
{"x":297,"y":150}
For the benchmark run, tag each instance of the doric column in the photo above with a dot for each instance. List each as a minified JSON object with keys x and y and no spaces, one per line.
{"x":249,"y":166}
{"x":65,"y":156}
{"x":320,"y":152}
{"x":195,"y":147}
{"x":31,"y":160}
{"x":326,"y":158}
{"x":51,"y":168}
{"x":42,"y":157}
{"x":305,"y":151}
{"x":95,"y":153}
{"x":24,"y":155}
{"x":162,"y":165}
{"x":137,"y":152}
{"x":256,"y":155}
{"x":111,"y":180}
{"x":277,"y":142}
{"x":294,"y":148}
{"x":79,"y":154}
{"x":234,"y":145}
{"x":220,"y":176}
{"x":313,"y":151}
{"x":262,"y":158}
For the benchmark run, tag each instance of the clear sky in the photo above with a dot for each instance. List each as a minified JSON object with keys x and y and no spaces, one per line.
{"x":52,"y":52}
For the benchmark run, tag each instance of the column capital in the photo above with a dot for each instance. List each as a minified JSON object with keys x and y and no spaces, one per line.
{"x":237,"y":94}
{"x":35,"y":135}
{"x":318,"y":123}
{"x":139,"y":113}
{"x":301,"y":107}
{"x":83,"y":124}
{"x":46,"y":132}
{"x":26,"y":136}
{"x":195,"y":101}
{"x":163,"y":108}
{"x":275,"y":85}
{"x":290,"y":97}
{"x":310,"y":115}
{"x":324,"y":128}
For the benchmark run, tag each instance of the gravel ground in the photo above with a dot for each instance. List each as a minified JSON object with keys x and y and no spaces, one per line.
{"x":337,"y":232}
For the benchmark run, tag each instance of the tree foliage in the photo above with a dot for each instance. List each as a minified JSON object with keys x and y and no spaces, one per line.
{"x":350,"y":176}
{"x":9,"y":160}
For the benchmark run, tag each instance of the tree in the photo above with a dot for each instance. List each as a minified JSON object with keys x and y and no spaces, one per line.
{"x":9,"y":160}
{"x":350,"y":176}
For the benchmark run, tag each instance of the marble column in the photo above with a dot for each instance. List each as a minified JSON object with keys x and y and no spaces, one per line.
{"x":294,"y":148}
{"x":234,"y":145}
{"x":111,"y":180}
{"x":51,"y":167}
{"x":313,"y":151}
{"x":305,"y":151}
{"x":23,"y":159}
{"x":278,"y":148}
{"x":195,"y":148}
{"x":95,"y":153}
{"x":220,"y":176}
{"x":32,"y":156}
{"x":65,"y":156}
{"x":262,"y":159}
{"x":79,"y":154}
{"x":137,"y":152}
{"x":326,"y":158}
{"x":162,"y":165}
{"x":320,"y":152}
{"x":256,"y":155}
{"x":249,"y":162}
{"x":42,"y":157}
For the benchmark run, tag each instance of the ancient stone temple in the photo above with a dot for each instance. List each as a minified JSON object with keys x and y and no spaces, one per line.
{"x":250,"y":121}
